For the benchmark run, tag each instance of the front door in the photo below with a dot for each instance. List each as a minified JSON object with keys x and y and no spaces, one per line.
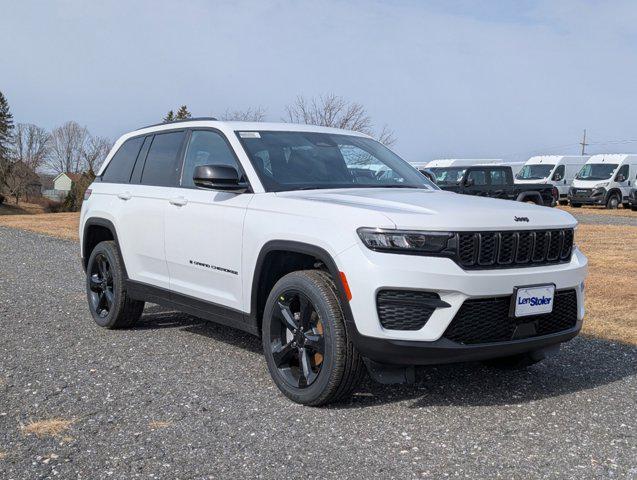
{"x":204,"y":228}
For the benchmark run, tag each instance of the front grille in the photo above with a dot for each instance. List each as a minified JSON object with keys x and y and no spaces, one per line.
{"x":581,"y":192}
{"x":405,"y":309}
{"x":487,"y":320}
{"x":513,"y":249}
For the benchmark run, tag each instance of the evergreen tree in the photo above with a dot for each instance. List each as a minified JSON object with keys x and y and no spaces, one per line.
{"x":183,"y":113}
{"x":170,"y":117}
{"x":6,"y":128}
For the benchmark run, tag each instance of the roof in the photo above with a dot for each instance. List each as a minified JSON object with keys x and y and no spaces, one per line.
{"x":611,"y":157}
{"x":227,"y":127}
{"x":552,"y":159}
{"x":74,"y":177}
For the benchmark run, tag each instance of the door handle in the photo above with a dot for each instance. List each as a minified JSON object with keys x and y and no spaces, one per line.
{"x":179,"y":201}
{"x":125,"y":195}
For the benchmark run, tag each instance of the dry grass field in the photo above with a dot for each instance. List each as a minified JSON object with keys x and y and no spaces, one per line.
{"x":611,"y":293}
{"x":585,"y":209}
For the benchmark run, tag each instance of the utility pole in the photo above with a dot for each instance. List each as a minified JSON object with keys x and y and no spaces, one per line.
{"x":583,"y":143}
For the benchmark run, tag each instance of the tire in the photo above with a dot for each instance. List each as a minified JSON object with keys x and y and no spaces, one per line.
{"x":514,"y":362}
{"x":613,"y":202}
{"x":576,"y":205}
{"x":291,"y":332}
{"x":633,"y":208}
{"x":108,"y":301}
{"x":563,"y":202}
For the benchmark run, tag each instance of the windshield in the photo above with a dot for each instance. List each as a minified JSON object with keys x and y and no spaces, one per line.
{"x":534,"y":172}
{"x":448,"y":176}
{"x":596,"y":171}
{"x":288,"y":161}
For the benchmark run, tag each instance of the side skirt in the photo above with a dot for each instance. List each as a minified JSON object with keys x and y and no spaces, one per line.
{"x":192,"y":306}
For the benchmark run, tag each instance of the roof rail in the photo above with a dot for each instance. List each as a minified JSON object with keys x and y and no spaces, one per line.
{"x":194,"y":119}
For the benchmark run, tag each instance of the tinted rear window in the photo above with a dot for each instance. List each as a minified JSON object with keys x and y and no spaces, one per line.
{"x":121,"y":165}
{"x":162,"y":163}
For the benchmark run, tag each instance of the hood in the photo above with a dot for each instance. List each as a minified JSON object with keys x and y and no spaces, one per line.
{"x":439,"y":210}
{"x":527,"y":181}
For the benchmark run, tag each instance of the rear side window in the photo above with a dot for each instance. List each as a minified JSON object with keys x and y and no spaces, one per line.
{"x":498,"y":177}
{"x":478,"y":176}
{"x":162,"y":162}
{"x":121,"y":165}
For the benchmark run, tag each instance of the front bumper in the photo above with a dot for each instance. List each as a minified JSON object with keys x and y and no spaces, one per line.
{"x":369,"y":272}
{"x":401,"y":352}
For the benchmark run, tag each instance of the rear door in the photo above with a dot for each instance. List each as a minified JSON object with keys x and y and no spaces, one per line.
{"x":500,"y":183}
{"x":204,"y":228}
{"x":155,"y":173}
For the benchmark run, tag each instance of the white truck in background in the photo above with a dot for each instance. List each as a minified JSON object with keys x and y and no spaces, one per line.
{"x":557,"y":170}
{"x":605,"y":179}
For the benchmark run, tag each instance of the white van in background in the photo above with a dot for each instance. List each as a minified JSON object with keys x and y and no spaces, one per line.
{"x":605,"y":179}
{"x":558,"y":170}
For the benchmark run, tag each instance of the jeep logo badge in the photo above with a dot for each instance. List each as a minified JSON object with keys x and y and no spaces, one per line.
{"x":521,"y":219}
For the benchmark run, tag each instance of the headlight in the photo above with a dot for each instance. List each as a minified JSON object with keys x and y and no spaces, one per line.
{"x":405,"y":241}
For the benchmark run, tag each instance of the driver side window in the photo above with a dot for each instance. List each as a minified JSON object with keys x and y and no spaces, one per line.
{"x":206,"y":148}
{"x":479,"y":177}
{"x":559,"y":173}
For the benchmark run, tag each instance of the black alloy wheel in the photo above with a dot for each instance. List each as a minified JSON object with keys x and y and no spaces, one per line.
{"x":101,"y":292}
{"x":296,"y":339}
{"x":108,"y":300}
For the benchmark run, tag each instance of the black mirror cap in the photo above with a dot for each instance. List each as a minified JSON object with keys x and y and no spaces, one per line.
{"x":620,"y":178}
{"x":218,"y":177}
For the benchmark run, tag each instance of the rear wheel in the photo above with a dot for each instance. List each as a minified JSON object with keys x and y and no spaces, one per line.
{"x":309,"y":355}
{"x":613,"y":202}
{"x":576,"y":205}
{"x":108,"y":301}
{"x":563,"y":202}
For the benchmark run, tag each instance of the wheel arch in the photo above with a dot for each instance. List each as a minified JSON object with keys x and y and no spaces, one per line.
{"x":530,"y":195}
{"x":96,"y":230}
{"x":258,"y":290}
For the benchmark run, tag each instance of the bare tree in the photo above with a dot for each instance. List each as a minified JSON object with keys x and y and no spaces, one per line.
{"x":94,"y":153}
{"x":250,"y":115}
{"x":333,"y":111}
{"x":30,"y":145}
{"x":19,"y":180}
{"x":66,"y":148}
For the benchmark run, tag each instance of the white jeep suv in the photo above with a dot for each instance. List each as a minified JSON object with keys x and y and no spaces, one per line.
{"x":341,"y":256}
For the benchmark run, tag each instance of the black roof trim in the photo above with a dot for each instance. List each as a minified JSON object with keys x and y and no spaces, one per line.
{"x":194,"y":119}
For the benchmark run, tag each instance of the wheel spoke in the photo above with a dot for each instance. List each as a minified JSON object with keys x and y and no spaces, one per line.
{"x":102,"y":303}
{"x":110,"y":297}
{"x":95,"y":284}
{"x":306,"y":312}
{"x":282,"y":354}
{"x":314,"y":342}
{"x":287,"y":317}
{"x":306,"y":375}
{"x":102,"y":267}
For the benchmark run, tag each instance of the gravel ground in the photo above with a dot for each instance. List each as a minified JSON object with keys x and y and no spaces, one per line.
{"x":605,"y":219}
{"x":180,"y":398}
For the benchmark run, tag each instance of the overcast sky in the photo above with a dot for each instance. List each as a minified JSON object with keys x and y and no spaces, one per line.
{"x":451,"y":78}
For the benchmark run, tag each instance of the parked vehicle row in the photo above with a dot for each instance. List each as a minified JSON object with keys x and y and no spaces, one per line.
{"x":606,"y":180}
{"x":328,"y":246}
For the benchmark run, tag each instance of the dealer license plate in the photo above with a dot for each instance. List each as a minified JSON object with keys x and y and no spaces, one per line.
{"x":534,"y":300}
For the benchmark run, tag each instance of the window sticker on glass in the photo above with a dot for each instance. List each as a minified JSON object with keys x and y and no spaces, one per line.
{"x":249,"y":135}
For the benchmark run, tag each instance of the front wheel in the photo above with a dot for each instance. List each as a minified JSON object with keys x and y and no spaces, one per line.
{"x":108,"y":301}
{"x":613,"y":202}
{"x":309,"y":355}
{"x":576,"y":205}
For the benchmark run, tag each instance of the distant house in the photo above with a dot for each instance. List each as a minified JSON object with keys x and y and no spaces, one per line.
{"x":62,"y":184}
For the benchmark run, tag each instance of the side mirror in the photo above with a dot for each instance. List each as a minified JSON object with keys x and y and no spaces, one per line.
{"x":469,"y":182}
{"x":557,"y":177}
{"x":620,"y":178}
{"x":218,"y":177}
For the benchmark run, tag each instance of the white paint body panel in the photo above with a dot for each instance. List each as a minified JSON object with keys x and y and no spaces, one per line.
{"x":572,"y":165}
